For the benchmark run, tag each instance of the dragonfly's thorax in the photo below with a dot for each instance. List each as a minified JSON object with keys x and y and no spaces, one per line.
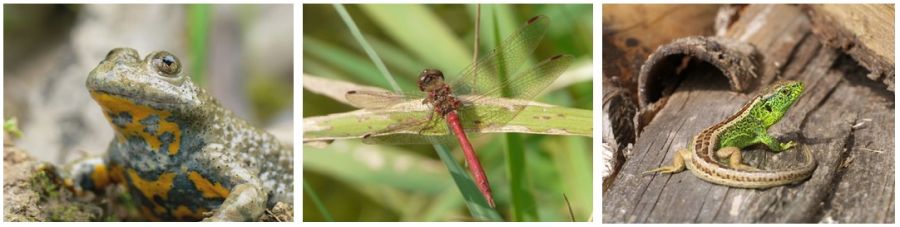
{"x":440,"y":96}
{"x":443,"y":100}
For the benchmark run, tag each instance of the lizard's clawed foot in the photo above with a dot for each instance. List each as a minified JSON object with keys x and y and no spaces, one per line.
{"x":788,"y":145}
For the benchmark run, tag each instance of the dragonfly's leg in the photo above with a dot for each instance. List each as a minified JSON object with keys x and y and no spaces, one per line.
{"x":429,"y":124}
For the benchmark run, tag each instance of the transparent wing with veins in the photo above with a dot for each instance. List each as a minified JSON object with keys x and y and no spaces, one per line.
{"x":380,"y":99}
{"x":528,"y":84}
{"x":491,"y":75}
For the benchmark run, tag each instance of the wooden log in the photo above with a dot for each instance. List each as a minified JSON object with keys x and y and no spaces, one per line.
{"x":846,"y":121}
{"x":863,"y":31}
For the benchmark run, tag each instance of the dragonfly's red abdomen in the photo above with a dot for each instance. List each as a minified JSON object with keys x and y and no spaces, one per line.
{"x":474,"y":165}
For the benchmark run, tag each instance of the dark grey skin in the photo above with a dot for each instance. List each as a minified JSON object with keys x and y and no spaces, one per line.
{"x":197,"y":156}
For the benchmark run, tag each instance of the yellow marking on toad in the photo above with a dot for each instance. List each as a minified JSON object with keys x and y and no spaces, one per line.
{"x":159,"y":187}
{"x":116,"y":104}
{"x":100,"y":176}
{"x":116,"y":173}
{"x":206,"y":187}
{"x":158,"y":208}
{"x":145,"y":211}
{"x":69,"y":183}
{"x":183,"y":211}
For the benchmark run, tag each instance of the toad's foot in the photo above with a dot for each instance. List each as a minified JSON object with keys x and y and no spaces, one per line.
{"x":245,"y":203}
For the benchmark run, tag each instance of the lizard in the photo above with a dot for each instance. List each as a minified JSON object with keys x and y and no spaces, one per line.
{"x":745,"y":128}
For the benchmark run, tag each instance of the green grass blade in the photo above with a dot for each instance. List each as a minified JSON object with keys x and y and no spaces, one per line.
{"x":445,"y":203}
{"x":353,"y":65}
{"x":569,"y":207}
{"x":426,"y":36}
{"x":368,"y":48}
{"x":198,"y":33}
{"x":576,"y":173}
{"x":523,"y":206}
{"x":534,"y":119}
{"x":362,"y":164}
{"x":499,"y":21}
{"x":406,"y":67}
{"x":318,"y":202}
{"x":478,"y":206}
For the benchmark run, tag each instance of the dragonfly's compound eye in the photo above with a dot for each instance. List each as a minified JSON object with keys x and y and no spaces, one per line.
{"x":431,"y":74}
{"x":429,"y":77}
{"x":438,"y":73}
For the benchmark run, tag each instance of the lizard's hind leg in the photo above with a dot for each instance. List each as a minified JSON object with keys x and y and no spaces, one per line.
{"x":734,"y":158}
{"x":677,"y":163}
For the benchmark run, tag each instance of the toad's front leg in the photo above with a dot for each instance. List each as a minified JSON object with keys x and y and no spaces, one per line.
{"x":246,"y":202}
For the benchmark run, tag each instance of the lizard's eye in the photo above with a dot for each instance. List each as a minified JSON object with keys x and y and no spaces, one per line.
{"x":166,"y":63}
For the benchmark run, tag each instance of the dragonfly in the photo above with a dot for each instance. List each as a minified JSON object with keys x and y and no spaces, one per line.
{"x":454,"y":103}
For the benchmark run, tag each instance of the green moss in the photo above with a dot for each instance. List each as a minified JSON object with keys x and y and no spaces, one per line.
{"x":43,"y":185}
{"x":12,"y":127}
{"x":69,"y":212}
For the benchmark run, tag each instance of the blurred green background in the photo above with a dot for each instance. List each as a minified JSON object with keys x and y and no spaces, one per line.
{"x":351,"y":181}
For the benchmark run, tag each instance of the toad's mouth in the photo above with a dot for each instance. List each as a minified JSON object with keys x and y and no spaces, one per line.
{"x":105,"y":98}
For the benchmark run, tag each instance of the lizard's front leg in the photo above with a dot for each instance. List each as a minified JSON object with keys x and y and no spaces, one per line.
{"x":774,"y":144}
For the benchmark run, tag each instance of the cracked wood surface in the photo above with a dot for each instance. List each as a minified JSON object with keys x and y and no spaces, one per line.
{"x":846,"y":120}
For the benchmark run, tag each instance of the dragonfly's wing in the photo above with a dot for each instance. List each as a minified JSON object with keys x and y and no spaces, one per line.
{"x":378,"y":99}
{"x":401,"y":139}
{"x":495,"y":68}
{"x":529,"y":83}
{"x":412,"y":131}
{"x":482,"y":111}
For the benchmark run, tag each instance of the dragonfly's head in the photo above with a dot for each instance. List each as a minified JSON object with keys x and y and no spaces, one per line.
{"x":430,"y":79}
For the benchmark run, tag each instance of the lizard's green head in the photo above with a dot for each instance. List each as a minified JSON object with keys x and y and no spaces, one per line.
{"x":777,"y":100}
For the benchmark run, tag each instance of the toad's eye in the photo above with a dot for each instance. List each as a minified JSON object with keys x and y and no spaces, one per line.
{"x":166,"y":63}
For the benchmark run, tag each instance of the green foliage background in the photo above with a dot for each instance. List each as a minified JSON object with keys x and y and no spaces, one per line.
{"x":529,"y":174}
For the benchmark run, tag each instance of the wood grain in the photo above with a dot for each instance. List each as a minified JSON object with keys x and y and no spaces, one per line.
{"x":845,"y":119}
